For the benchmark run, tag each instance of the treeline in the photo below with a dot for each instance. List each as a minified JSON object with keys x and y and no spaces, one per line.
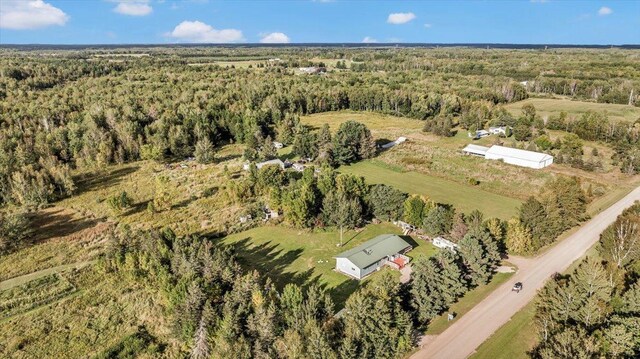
{"x":595,"y":311}
{"x":561,"y":204}
{"x":218,"y":310}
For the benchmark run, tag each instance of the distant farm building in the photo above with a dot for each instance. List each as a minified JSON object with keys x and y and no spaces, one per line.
{"x":275,"y":162}
{"x":396,"y":142}
{"x":278,"y":145}
{"x":479,"y":134}
{"x":510,"y":155}
{"x":312,"y":70}
{"x":385,"y":249}
{"x":498,"y":130}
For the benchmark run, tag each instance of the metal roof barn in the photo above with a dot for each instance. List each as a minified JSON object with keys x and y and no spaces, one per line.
{"x":371,"y":255}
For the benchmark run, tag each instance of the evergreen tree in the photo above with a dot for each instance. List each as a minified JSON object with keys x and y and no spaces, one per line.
{"x":204,"y":152}
{"x":438,"y":221}
{"x":475,"y":257}
{"x":386,"y":202}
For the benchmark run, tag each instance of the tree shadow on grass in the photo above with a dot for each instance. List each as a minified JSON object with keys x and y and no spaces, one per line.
{"x":55,"y":223}
{"x":136,"y":208}
{"x":270,"y":260}
{"x":102,"y":179}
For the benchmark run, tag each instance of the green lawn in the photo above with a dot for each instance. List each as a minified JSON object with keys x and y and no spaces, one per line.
{"x":547,"y":107}
{"x":289,"y":255}
{"x":512,"y":340}
{"x":466,"y":303}
{"x":464,"y":198}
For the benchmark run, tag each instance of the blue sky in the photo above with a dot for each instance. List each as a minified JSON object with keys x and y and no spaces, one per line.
{"x":217,"y":21}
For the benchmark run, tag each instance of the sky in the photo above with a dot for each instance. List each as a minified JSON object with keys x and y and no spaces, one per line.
{"x":319,"y":21}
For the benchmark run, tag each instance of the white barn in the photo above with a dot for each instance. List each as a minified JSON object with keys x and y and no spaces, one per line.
{"x":372,"y":255}
{"x":514,"y":156}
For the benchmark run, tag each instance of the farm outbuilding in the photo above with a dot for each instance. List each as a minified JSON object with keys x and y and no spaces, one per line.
{"x":385,"y":249}
{"x":512,"y":156}
{"x":276,"y":162}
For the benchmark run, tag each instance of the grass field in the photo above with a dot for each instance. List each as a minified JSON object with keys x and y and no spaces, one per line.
{"x":464,"y":198}
{"x":300,"y":256}
{"x":379,"y":124}
{"x":199,"y":197}
{"x":548,"y":107}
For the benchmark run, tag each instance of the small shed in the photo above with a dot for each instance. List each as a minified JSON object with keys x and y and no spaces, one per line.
{"x":475,"y":150}
{"x":278,"y":145}
{"x":385,"y":249}
{"x":276,"y":162}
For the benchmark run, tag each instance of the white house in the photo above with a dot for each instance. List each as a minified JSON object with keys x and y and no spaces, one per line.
{"x":385,"y":249}
{"x":498,"y":130}
{"x":444,"y":243}
{"x":514,"y":156}
{"x":278,"y":145}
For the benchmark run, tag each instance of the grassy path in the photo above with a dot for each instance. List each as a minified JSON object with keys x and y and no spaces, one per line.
{"x":16,"y":281}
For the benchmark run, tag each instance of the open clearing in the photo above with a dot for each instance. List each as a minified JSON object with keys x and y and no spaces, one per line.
{"x":464,"y":198}
{"x":289,"y":255}
{"x":379,"y":124}
{"x":549,"y":107}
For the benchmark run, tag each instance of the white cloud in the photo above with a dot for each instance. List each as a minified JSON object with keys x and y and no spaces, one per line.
{"x":605,"y":11}
{"x":400,"y":18}
{"x":133,"y":7}
{"x":196,"y":31}
{"x":275,"y":38}
{"x":428,"y":26}
{"x":30,"y":14}
{"x":369,"y":40}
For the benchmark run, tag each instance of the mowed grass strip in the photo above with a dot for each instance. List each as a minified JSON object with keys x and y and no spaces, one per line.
{"x":463,"y":198}
{"x":547,"y":107}
{"x":513,"y":340}
{"x":289,"y":255}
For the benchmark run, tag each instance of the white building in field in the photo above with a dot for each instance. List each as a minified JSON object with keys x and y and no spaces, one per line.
{"x":513,"y":156}
{"x":276,"y":162}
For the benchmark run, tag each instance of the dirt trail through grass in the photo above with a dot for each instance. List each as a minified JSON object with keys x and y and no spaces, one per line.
{"x":16,"y":281}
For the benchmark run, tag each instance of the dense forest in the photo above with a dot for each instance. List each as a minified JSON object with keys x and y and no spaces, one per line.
{"x":61,"y":111}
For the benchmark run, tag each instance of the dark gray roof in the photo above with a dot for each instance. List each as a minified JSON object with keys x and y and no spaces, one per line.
{"x":374,"y":250}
